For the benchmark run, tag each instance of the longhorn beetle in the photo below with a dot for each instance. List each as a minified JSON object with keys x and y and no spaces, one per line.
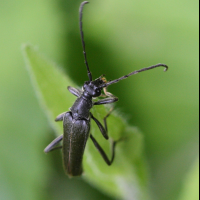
{"x":76,"y":122}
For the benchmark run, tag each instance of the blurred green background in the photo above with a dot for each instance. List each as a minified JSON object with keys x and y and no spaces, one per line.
{"x":120,"y":36}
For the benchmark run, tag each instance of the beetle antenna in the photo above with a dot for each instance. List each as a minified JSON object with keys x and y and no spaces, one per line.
{"x":134,"y":72}
{"x":82,"y":37}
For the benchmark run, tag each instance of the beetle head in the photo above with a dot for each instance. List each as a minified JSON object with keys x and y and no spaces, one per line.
{"x":93,"y":87}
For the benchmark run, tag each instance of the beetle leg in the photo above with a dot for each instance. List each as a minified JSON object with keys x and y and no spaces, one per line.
{"x":60,"y":117}
{"x":75,"y":91}
{"x":55,"y":148}
{"x":101,"y":128}
{"x":52,"y":145}
{"x":106,"y":101}
{"x":104,"y":119}
{"x":101,"y":151}
{"x":108,"y":94}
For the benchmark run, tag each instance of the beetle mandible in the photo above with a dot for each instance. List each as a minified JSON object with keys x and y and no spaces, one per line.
{"x":76,"y":122}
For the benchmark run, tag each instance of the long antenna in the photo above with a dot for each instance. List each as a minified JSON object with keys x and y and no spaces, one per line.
{"x":82,"y":37}
{"x":135,"y":72}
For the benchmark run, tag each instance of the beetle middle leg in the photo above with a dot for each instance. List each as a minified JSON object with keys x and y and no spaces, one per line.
{"x":104,"y":119}
{"x":101,"y":151}
{"x":103,"y":130}
{"x":60,"y":117}
{"x":52,"y":146}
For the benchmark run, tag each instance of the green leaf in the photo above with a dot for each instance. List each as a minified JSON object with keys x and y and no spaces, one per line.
{"x":191,"y":185}
{"x":127,"y":177}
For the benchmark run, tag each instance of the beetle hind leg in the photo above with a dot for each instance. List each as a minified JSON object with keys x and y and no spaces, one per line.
{"x":52,"y":146}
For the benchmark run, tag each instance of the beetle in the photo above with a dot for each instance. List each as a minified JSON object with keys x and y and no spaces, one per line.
{"x":76,"y":122}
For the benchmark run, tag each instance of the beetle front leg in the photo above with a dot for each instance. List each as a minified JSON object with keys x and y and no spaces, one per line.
{"x":101,"y":151}
{"x":106,"y":101}
{"x":75,"y":91}
{"x":52,"y":145}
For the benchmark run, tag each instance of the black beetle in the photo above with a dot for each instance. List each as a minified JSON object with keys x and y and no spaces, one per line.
{"x":76,"y":122}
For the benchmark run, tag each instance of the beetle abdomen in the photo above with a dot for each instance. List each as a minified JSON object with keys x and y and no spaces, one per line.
{"x":76,"y":132}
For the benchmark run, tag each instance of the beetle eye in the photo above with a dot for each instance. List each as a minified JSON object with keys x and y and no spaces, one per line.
{"x":97,"y":91}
